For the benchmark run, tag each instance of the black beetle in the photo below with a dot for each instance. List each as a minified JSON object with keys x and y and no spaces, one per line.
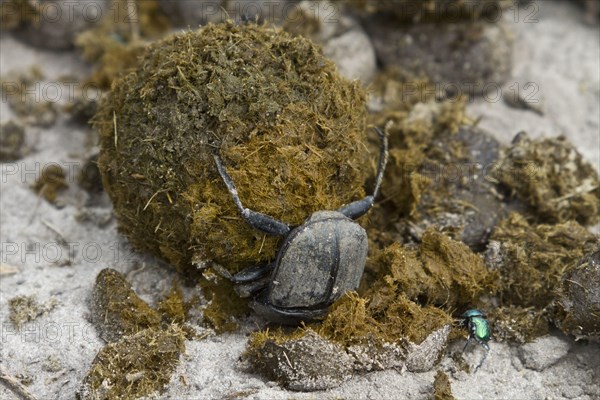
{"x":317,"y":262}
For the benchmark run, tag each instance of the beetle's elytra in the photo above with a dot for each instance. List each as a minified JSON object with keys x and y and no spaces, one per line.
{"x":311,"y":265}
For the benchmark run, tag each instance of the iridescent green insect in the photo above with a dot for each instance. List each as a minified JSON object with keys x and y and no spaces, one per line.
{"x":479,"y":329}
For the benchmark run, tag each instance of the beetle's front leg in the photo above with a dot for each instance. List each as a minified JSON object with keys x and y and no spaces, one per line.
{"x":360,"y":207}
{"x":258,"y":220}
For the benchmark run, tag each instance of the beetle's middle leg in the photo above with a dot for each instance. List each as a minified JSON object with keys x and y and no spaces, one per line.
{"x":485,"y":347}
{"x":251,"y":274}
{"x":487,"y":350}
{"x":258,"y":220}
{"x":253,"y":279}
{"x":467,"y":344}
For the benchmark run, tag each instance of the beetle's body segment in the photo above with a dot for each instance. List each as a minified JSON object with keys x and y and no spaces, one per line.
{"x":318,"y":262}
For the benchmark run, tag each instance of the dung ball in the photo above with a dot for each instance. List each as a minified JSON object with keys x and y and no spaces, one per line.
{"x":290,"y":130}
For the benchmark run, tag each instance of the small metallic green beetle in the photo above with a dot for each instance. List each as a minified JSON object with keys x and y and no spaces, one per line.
{"x":479,"y":329}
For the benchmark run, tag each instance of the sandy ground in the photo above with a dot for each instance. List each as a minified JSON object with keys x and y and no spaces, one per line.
{"x":558,"y":53}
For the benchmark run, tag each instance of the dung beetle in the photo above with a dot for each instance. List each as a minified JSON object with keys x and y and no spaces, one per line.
{"x":479,"y":329}
{"x":317,"y":262}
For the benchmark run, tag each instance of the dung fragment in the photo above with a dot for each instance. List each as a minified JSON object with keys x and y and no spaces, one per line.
{"x":153,"y":22}
{"x":225,"y":306}
{"x":532,"y":259}
{"x":82,"y":107}
{"x":383,"y":314}
{"x":442,"y":389}
{"x":115,"y":44}
{"x":348,"y":320}
{"x":462,"y":47}
{"x":518,"y":324}
{"x":439,"y":271}
{"x":304,"y":363}
{"x":100,"y":217}
{"x":51,"y":181}
{"x":406,"y":104}
{"x":116,"y":310}
{"x":592,"y":11}
{"x":438,"y":174}
{"x":23,"y":309}
{"x":12,"y":141}
{"x":144,"y":344}
{"x":56,"y":22}
{"x":352,"y":339}
{"x":460,"y":58}
{"x":134,"y":366}
{"x":22,"y":92}
{"x":53,"y":363}
{"x":173,"y":307}
{"x":552,"y":178}
{"x":422,"y":357}
{"x":460,"y":198}
{"x":113,"y":57}
{"x":460,"y":364}
{"x":16,"y":13}
{"x":343,"y":39}
{"x":371,"y":354}
{"x":89,"y":177}
{"x":363,"y":337}
{"x":578,"y":300}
